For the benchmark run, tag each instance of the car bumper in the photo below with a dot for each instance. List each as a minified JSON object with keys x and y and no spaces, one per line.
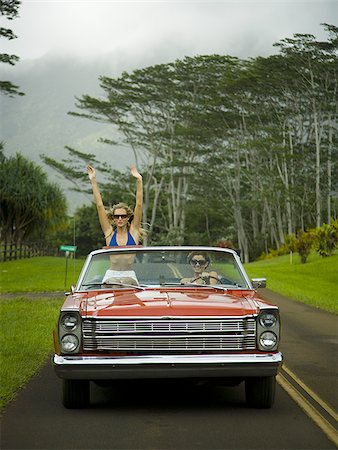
{"x":166,"y":366}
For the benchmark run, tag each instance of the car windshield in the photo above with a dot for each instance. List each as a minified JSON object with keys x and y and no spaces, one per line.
{"x":143,"y":267}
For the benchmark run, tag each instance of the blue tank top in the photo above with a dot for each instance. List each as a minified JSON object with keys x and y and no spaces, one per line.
{"x":130,"y":240}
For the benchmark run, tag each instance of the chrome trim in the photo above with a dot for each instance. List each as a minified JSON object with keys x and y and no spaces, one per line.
{"x":177,"y":343}
{"x":169,"y":335}
{"x":169,"y":359}
{"x":166,"y":366}
{"x":157,"y":318}
{"x":169,"y":325}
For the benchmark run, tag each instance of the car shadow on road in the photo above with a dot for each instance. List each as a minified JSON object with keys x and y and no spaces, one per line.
{"x":169,"y":394}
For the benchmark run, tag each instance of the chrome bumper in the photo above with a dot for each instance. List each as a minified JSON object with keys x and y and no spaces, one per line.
{"x":166,"y":366}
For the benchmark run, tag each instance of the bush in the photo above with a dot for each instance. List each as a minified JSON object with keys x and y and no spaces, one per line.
{"x":304,"y":244}
{"x":326,"y":239}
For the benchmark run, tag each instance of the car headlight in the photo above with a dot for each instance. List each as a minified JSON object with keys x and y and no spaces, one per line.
{"x":69,"y":322}
{"x":69,"y":343}
{"x":268,"y":340}
{"x":70,"y":332}
{"x":268,"y":320}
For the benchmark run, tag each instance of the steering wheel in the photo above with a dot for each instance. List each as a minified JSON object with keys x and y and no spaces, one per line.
{"x":209,"y":276}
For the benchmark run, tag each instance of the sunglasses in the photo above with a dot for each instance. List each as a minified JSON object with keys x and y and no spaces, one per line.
{"x":122,"y":216}
{"x":200,"y":262}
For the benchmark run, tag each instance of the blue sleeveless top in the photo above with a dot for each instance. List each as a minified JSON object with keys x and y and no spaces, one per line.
{"x":130,"y":240}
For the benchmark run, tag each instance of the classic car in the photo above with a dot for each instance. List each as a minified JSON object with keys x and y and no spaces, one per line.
{"x":167,"y":312}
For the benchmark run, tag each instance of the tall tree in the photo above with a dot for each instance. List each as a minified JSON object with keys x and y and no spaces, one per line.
{"x":217,"y":133}
{"x":30,"y":206}
{"x":10,"y":10}
{"x":315,"y":67}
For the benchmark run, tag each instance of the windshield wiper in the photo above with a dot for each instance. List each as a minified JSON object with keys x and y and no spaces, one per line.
{"x":133,"y":286}
{"x":215,"y":286}
{"x":117,"y":283}
{"x":222,"y":288}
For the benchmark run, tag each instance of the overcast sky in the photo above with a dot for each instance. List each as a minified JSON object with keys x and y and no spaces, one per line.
{"x":159,"y":31}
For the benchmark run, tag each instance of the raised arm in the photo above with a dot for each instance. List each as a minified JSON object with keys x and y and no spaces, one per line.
{"x":136,"y":223}
{"x":104,"y":222}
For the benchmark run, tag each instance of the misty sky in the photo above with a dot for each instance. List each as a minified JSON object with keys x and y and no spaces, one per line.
{"x":148,"y":32}
{"x":108,"y":37}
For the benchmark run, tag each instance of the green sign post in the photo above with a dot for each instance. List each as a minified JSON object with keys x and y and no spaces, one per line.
{"x":67,"y":249}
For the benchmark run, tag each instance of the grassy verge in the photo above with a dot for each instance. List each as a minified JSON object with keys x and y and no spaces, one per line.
{"x":26,"y":324}
{"x":25,"y":340}
{"x":314,"y":283}
{"x":40,"y":274}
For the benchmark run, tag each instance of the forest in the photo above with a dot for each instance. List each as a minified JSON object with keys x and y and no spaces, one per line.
{"x":232,"y":152}
{"x":242,"y":151}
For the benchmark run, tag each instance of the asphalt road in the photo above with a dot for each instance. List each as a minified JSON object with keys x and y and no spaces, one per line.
{"x":309,"y":345}
{"x":177,"y":415}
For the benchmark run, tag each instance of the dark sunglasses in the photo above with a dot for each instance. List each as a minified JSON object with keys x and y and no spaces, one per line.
{"x":201,"y":262}
{"x":122,"y":216}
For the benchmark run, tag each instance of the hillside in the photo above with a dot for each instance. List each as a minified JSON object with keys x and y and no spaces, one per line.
{"x":38,"y":123}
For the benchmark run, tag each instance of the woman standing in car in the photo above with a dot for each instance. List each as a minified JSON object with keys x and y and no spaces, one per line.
{"x":120,"y":225}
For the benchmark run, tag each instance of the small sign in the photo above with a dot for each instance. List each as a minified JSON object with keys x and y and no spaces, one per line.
{"x":68,"y":248}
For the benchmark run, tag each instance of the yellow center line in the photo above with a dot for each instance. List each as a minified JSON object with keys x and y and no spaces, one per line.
{"x":311,"y":393}
{"x":175,"y":271}
{"x":309,"y":409}
{"x":319,"y":420}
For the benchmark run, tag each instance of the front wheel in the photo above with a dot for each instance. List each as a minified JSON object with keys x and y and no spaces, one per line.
{"x":260,"y":391}
{"x":76,"y":393}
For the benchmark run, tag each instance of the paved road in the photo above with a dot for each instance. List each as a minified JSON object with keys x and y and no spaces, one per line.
{"x":309,"y":344}
{"x":173,"y":415}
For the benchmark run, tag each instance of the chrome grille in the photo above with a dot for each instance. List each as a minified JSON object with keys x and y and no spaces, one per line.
{"x":169,"y":335}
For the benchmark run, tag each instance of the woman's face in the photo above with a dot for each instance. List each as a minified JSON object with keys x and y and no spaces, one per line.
{"x":198,"y":263}
{"x":120,"y":217}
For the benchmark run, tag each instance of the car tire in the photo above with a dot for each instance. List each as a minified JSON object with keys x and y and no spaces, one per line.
{"x":76,"y":394}
{"x":260,"y":391}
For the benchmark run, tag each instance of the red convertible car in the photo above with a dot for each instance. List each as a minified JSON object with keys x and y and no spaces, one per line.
{"x":167,"y":312}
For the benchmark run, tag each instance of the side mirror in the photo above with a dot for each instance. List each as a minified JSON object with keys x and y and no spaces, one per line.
{"x":72,"y":290}
{"x":258,"y":283}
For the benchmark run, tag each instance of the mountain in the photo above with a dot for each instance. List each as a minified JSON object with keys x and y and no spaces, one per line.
{"x":38,"y":123}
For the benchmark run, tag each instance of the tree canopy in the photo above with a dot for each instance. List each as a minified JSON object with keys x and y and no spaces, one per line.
{"x":230,"y":149}
{"x":30,"y":206}
{"x":10,"y":10}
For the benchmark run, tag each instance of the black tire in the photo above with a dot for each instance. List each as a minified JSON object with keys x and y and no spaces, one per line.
{"x":260,"y":391}
{"x":76,"y":394}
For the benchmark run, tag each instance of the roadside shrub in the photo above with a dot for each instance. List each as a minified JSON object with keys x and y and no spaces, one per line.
{"x":304,"y":244}
{"x":326,"y":239}
{"x":290,"y":245}
{"x":225,"y":243}
{"x":323,"y":240}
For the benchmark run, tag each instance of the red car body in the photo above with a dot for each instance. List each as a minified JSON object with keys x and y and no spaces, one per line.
{"x":162,"y":327}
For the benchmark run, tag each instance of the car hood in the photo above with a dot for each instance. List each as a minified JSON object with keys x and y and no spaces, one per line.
{"x":194,"y":302}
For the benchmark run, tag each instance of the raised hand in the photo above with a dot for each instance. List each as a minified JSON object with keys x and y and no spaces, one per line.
{"x":135,"y":173}
{"x":91,"y":172}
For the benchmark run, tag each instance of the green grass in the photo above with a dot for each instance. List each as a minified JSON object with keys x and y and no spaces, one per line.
{"x":40,"y":274}
{"x":27,"y":324}
{"x":314,"y":283}
{"x":25,"y":340}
